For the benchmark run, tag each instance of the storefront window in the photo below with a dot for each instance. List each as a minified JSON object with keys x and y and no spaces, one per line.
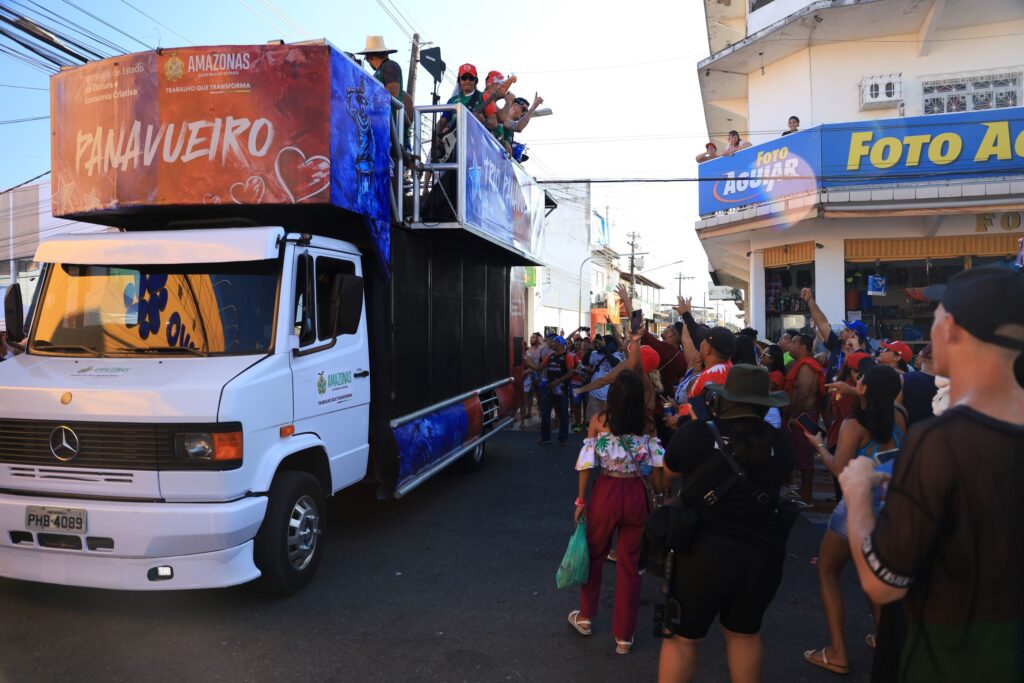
{"x":889,"y":298}
{"x":784,"y":308}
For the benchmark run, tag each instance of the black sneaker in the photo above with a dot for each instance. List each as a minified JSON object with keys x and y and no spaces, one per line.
{"x":544,"y":442}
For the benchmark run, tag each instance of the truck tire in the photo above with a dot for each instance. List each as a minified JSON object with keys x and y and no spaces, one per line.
{"x":471,"y":461}
{"x":289,"y":543}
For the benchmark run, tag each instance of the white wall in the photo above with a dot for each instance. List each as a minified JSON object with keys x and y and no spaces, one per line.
{"x":566,"y":246}
{"x":832,"y":78}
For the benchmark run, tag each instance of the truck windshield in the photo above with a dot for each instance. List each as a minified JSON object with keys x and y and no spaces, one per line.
{"x":207,"y":308}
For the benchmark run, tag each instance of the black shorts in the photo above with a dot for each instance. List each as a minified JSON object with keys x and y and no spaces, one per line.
{"x":727,"y":578}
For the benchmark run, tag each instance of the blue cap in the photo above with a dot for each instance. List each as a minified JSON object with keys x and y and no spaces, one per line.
{"x":557,"y":339}
{"x":857,"y":327}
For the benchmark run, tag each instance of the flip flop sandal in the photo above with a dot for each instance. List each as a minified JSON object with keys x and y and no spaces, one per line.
{"x":622,"y":647}
{"x":580,"y":624}
{"x":841,"y":669}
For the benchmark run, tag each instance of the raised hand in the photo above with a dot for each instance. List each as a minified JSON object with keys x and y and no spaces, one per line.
{"x":806,"y":294}
{"x":624,"y":297}
{"x":684,"y":306}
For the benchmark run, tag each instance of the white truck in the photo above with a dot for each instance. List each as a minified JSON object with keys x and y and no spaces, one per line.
{"x":190,"y":394}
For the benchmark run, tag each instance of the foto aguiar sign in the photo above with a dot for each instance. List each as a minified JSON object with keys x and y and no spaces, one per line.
{"x":981,"y":144}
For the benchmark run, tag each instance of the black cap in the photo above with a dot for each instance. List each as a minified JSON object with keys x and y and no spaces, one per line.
{"x":982,"y":300}
{"x":722,"y":340}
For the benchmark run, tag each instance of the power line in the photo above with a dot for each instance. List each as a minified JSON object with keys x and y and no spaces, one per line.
{"x":73,"y":26}
{"x":109,"y":25}
{"x":25,"y":182}
{"x":160,"y":23}
{"x":22,"y":87}
{"x":30,"y":118}
{"x":283,"y":16}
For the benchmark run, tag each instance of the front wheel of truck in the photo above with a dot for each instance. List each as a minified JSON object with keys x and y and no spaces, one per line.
{"x":289,"y":542}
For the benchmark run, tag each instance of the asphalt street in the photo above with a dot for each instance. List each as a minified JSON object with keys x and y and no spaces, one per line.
{"x":453,"y":583}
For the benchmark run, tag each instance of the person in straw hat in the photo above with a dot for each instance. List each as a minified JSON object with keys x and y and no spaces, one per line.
{"x":385,"y":70}
{"x":734,"y":566}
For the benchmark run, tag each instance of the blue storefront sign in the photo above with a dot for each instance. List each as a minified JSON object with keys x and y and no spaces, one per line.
{"x":911,"y":150}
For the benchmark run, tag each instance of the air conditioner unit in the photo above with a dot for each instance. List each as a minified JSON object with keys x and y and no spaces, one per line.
{"x":881,"y":92}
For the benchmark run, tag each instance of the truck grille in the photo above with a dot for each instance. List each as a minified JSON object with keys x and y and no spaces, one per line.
{"x":127,"y":446}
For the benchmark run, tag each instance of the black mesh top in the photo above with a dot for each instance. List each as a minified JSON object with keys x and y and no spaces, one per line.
{"x":952,"y":531}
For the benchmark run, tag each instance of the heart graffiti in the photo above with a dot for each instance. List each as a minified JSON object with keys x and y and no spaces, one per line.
{"x":249,"y":192}
{"x":210,"y":198}
{"x":302,"y":177}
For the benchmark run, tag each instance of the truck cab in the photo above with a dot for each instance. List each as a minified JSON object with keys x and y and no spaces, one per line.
{"x":222,"y":368}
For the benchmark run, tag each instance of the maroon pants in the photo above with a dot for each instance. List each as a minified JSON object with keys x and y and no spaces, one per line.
{"x":616,"y":504}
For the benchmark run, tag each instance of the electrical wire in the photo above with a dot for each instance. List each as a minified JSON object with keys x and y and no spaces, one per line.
{"x":25,"y":120}
{"x":262,"y":18}
{"x":108,"y":24}
{"x":283,"y":16}
{"x":70,"y":25}
{"x":158,"y":22}
{"x":25,"y":182}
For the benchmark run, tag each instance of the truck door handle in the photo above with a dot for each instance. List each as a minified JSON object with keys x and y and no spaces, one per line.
{"x":364,"y":373}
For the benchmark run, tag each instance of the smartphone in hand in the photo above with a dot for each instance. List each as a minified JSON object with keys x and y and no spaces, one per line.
{"x":636,"y":320}
{"x":809,"y":424}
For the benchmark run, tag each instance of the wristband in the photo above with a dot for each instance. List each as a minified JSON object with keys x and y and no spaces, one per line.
{"x":580,"y":502}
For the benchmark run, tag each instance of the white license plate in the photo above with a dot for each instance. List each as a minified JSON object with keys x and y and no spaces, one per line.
{"x":56,"y":520}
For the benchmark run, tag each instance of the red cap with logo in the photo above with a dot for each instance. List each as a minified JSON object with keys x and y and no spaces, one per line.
{"x":493,"y":76}
{"x":900,"y":349}
{"x":467,"y":69}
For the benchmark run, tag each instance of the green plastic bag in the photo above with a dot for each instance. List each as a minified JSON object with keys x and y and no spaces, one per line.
{"x":575,"y":567}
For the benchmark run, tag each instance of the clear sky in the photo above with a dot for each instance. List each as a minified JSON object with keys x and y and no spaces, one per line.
{"x":620,"y":77}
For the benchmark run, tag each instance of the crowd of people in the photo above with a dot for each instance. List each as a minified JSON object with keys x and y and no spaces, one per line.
{"x":924,"y":453}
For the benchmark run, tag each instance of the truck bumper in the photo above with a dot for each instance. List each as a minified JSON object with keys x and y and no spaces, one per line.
{"x":206,"y":545}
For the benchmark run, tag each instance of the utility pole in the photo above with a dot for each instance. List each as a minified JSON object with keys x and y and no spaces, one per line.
{"x":679,"y":279}
{"x":633,"y":242}
{"x":414,"y":58}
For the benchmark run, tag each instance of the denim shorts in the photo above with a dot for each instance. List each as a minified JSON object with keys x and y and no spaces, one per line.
{"x":837,"y":522}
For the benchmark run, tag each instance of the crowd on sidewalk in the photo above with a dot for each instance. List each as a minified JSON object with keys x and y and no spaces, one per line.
{"x":700,"y":445}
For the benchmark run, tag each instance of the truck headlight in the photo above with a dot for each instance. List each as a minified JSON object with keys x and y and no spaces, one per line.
{"x":208,"y":446}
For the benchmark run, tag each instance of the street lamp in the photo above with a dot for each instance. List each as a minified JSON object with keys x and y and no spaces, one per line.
{"x":579,"y":300}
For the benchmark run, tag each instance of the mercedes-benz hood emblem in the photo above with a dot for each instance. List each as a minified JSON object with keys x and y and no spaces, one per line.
{"x":64,"y":443}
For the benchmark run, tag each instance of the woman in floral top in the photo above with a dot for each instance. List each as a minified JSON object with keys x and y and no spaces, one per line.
{"x":616,"y":444}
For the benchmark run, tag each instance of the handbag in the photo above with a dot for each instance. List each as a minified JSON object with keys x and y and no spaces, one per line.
{"x":672,"y":528}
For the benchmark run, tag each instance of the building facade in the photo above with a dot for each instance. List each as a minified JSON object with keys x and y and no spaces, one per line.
{"x":907,"y":168}
{"x":558,"y":293}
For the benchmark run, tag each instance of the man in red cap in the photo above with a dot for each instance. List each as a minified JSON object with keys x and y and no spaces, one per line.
{"x":947,"y":542}
{"x":472,"y":99}
{"x":895,"y":354}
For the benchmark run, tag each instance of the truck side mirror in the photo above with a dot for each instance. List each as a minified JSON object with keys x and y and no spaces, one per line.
{"x":347,"y":302}
{"x":14,"y":313}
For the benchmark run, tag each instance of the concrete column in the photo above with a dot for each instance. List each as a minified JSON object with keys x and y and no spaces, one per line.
{"x":755,"y":304}
{"x":830,"y":277}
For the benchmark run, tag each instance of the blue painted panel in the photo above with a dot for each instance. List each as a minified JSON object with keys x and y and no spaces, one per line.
{"x":423,"y":442}
{"x":360,"y":149}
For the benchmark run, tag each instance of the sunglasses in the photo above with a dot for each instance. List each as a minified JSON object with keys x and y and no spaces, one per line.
{"x":467,"y":77}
